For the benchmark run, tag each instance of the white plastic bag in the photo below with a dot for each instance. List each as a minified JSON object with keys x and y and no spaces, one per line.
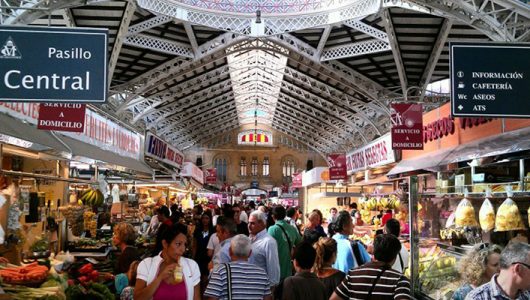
{"x":465,"y":214}
{"x":486,"y":215}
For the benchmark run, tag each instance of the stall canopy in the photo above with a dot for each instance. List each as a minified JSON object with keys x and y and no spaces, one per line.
{"x":509,"y":142}
{"x":90,"y":151}
{"x":15,"y":128}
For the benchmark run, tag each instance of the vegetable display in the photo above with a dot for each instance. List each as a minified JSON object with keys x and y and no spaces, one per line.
{"x":20,"y":275}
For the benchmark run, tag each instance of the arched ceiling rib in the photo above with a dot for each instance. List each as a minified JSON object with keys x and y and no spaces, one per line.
{"x":322,"y":72}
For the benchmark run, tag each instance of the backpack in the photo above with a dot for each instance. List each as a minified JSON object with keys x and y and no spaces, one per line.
{"x":357,"y":253}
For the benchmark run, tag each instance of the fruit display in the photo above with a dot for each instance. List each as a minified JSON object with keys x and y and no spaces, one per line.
{"x":452,"y":233}
{"x":509,"y":217}
{"x":380,"y":203}
{"x":74,"y":216}
{"x":435,"y":268}
{"x":486,"y":216}
{"x":90,"y":222}
{"x":92,"y":197}
{"x":465,"y":214}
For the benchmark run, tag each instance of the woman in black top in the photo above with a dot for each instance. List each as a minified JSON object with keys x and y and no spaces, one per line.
{"x":201,"y":236}
{"x":326,"y":249}
{"x":124,"y":238}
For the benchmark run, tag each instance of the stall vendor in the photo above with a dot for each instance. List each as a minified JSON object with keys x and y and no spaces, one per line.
{"x":124,"y":238}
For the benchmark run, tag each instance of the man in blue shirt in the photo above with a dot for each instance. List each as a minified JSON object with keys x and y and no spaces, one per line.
{"x":513,"y":281}
{"x":264,"y":248}
{"x":346,"y":259}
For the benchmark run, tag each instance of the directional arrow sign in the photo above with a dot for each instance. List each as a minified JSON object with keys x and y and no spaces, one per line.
{"x":490,"y":80}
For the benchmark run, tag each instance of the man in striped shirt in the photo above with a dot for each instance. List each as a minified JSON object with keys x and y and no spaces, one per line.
{"x":377,"y":279}
{"x":247,"y":281}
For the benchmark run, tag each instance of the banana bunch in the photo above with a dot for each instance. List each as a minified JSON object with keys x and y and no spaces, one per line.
{"x":92,"y":197}
{"x":371,"y":204}
{"x":90,"y":222}
{"x":74,"y":215}
{"x":508,"y":217}
{"x":394,"y":202}
{"x":366,"y":216}
{"x":384,"y":203}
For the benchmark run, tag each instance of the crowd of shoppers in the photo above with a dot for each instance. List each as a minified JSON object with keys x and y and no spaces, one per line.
{"x":264,"y":253}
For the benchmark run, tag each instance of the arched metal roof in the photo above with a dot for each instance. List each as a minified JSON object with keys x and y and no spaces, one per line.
{"x":321,"y":72}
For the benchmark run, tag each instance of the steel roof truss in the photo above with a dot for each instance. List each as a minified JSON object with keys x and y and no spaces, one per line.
{"x":148,"y":24}
{"x":120,"y":37}
{"x":396,"y":52}
{"x":435,"y":55}
{"x":355,"y":49}
{"x":221,"y":114}
{"x":159,"y":44}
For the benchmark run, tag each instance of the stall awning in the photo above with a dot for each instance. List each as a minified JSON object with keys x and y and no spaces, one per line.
{"x":16,"y":128}
{"x":90,"y":151}
{"x":429,"y":162}
{"x":509,"y":142}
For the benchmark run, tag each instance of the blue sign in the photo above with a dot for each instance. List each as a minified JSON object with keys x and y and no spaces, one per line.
{"x":490,"y":80}
{"x":45,"y":64}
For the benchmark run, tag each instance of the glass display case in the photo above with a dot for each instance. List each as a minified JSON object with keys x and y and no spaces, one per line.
{"x":441,"y":233}
{"x":438,"y":274}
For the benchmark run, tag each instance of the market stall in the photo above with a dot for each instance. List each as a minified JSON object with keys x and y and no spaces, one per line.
{"x":468,"y":186}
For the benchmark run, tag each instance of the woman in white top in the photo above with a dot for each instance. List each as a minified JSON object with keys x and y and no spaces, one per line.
{"x":169,"y":275}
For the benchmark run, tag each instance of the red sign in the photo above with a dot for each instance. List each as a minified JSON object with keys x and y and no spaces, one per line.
{"x":297,"y":181}
{"x":62,"y":117}
{"x":210,"y":175}
{"x":337,"y":167}
{"x":407,"y":126}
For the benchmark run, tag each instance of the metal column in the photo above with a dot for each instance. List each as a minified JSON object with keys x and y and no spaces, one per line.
{"x":414,"y":234}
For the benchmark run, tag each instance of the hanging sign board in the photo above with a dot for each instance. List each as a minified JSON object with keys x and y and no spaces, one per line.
{"x":189,"y":169}
{"x":160,"y":150}
{"x":376,"y":153}
{"x":297,"y":180}
{"x":98,"y":131}
{"x":407,"y":126}
{"x":490,"y":80}
{"x":46,"y":64}
{"x":337,"y":167}
{"x":210,"y":175}
{"x":62,"y":117}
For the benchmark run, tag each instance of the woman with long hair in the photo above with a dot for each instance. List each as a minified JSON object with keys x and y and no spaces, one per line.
{"x":169,"y":275}
{"x":477,"y":267}
{"x":326,"y":249}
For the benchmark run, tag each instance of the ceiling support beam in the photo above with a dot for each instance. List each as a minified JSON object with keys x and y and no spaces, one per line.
{"x":435,"y":56}
{"x":191,"y":37}
{"x":130,"y":8}
{"x":365,"y":28}
{"x":389,"y":26}
{"x":69,"y":18}
{"x":322,"y":43}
